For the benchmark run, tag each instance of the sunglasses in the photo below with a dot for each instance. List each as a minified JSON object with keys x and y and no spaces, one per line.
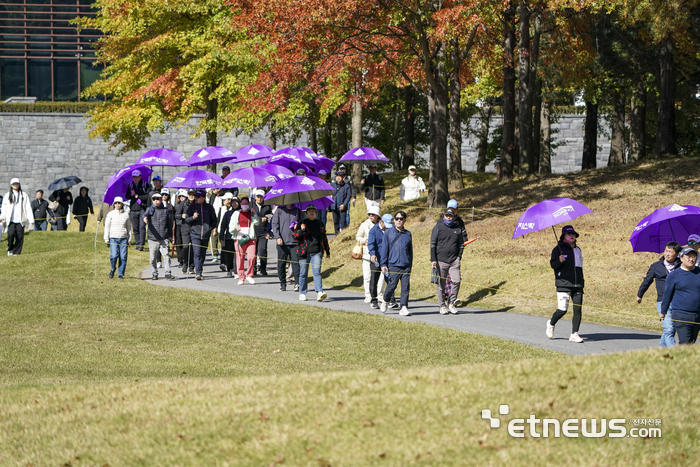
{"x":692,"y":243}
{"x":399,"y":218}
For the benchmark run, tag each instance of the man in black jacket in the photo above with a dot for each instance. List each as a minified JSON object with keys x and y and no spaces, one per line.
{"x":137,"y":194}
{"x":82,"y":206}
{"x":201,"y":218}
{"x":264,"y":212}
{"x":373,"y":184}
{"x":658,"y":271}
{"x":180,"y":207}
{"x":446,"y":246}
{"x":159,"y":222}
{"x":40,"y":207}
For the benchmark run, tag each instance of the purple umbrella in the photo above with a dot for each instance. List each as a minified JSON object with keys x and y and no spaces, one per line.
{"x":164,"y":157}
{"x":210,"y":155}
{"x":363,"y":154}
{"x":303,"y":155}
{"x":298,"y":190}
{"x":323,"y":163}
{"x":289,"y":162}
{"x":249,"y":177}
{"x":321,"y":203}
{"x":277,"y":170}
{"x":197,"y":178}
{"x":119,"y":182}
{"x":548,"y":213}
{"x":252,"y":152}
{"x":672,"y":223}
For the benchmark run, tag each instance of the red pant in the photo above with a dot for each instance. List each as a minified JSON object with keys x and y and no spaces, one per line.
{"x":241,"y":251}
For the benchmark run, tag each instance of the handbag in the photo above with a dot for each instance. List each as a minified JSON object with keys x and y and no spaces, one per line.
{"x":53,"y":205}
{"x":244,"y":239}
{"x":357,"y":252}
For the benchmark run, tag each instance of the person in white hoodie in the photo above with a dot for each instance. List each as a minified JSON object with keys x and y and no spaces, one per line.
{"x":411,"y":186}
{"x":118,"y":235}
{"x":16,"y":215}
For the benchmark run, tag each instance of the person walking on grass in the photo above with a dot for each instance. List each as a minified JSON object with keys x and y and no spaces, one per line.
{"x":567,"y":262}
{"x":201,"y":219}
{"x":16,"y":215}
{"x":362,"y":238}
{"x":341,"y":201}
{"x":242,"y":228}
{"x":446,"y":246}
{"x":397,"y":260}
{"x":411,"y":186}
{"x":40,"y":208}
{"x":65,"y":199}
{"x":118,"y":235}
{"x":138,"y":195}
{"x":682,"y":295}
{"x":159,"y":223}
{"x":282,"y":219}
{"x":312,"y":240}
{"x":658,"y":272}
{"x":374,"y":245}
{"x":82,"y":206}
{"x":373,"y":184}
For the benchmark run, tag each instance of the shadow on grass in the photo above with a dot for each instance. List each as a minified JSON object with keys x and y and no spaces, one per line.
{"x":356,"y":282}
{"x":329,"y":271}
{"x":483,"y":293}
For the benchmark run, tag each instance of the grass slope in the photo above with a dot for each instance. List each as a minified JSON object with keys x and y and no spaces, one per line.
{"x":499,"y":272}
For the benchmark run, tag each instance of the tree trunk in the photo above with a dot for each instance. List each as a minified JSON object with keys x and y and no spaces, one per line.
{"x":328,"y":137}
{"x":438,"y":193}
{"x":212,"y":115}
{"x":517,"y":167}
{"x":356,"y":139}
{"x":455,"y":180}
{"x":485,"y":120}
{"x":617,"y":143}
{"x":525,"y":94}
{"x":545,"y":137}
{"x":272,"y":134}
{"x":590,"y":138}
{"x":638,"y":116}
{"x":536,"y":91}
{"x":409,"y":129}
{"x":395,"y":156}
{"x":342,"y":134}
{"x":508,"y":141}
{"x":666,"y":122}
{"x":313,"y":126}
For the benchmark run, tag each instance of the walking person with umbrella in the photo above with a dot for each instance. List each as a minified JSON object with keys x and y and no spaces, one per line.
{"x":64,"y":198}
{"x":202,"y":221}
{"x":137,"y":194}
{"x":16,"y":214}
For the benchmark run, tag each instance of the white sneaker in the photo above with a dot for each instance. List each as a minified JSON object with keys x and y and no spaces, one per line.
{"x":235,"y":276}
{"x":383,"y":307}
{"x":302,"y":297}
{"x":453,"y":309}
{"x":368,"y":298}
{"x":404,"y":311}
{"x":575,"y":338}
{"x":321,"y":296}
{"x":250,"y":280}
{"x":444,"y":310}
{"x":550,"y":329}
{"x":240,"y":282}
{"x":159,"y":264}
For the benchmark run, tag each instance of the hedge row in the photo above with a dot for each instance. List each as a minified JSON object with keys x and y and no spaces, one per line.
{"x":50,"y":107}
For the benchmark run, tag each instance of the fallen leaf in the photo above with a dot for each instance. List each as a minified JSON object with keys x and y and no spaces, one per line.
{"x":264,"y":416}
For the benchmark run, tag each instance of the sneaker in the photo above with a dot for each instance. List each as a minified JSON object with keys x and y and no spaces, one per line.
{"x":159,"y":265}
{"x":222,"y":267}
{"x":263,"y":273}
{"x":111,"y":274}
{"x":458,"y":302}
{"x":575,"y":338}
{"x":321,"y":296}
{"x":168,"y":275}
{"x":453,"y":309}
{"x":215,"y":259}
{"x":296,"y":287}
{"x":550,"y":329}
{"x":404,"y":311}
{"x":240,"y":282}
{"x":229,"y":274}
{"x":235,"y":276}
{"x":368,"y":299}
{"x":9,"y":253}
{"x":154,"y":276}
{"x":191,"y":271}
{"x":444,"y":310}
{"x":393,"y":305}
{"x":184,"y":270}
{"x":374,"y":305}
{"x":121,"y":277}
{"x":383,"y":307}
{"x":199,"y":277}
{"x":302,"y":297}
{"x":250,"y":280}
{"x":283,"y":287}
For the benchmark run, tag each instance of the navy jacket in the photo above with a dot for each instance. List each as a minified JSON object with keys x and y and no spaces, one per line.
{"x":343,"y":195}
{"x":659,"y":272}
{"x":682,"y":291}
{"x":397,"y":253}
{"x":374,"y":241}
{"x":203,"y":225}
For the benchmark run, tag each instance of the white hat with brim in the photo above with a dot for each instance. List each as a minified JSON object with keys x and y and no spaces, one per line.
{"x":228,"y":195}
{"x":14,"y":180}
{"x":118,"y":199}
{"x":136,"y":173}
{"x":373,"y":210}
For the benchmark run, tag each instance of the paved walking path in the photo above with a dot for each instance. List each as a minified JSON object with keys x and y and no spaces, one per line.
{"x":526,"y":329}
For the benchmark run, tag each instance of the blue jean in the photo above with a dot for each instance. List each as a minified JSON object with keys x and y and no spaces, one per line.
{"x":118,"y":251}
{"x":315,"y":261}
{"x":397,"y":274}
{"x":668,"y":335}
{"x":323,"y":217}
{"x":40,"y":225}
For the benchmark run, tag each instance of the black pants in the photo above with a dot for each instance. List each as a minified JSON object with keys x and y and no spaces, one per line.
{"x":199,"y":245}
{"x":397,"y":274}
{"x":261,"y":252}
{"x":15,"y":238}
{"x":61,"y":222}
{"x":138,"y":226}
{"x":339,"y":220}
{"x":187,"y":253}
{"x":577,"y":298}
{"x":285,"y":254}
{"x":375,"y":274}
{"x":82,"y":220}
{"x":179,"y":244}
{"x":686,"y":325}
{"x":228,"y":254}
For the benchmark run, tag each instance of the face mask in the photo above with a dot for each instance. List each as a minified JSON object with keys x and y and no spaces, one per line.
{"x":448,"y":222}
{"x":245,"y":207}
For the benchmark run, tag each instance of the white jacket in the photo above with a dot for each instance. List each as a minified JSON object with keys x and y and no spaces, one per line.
{"x":363,"y":235}
{"x":411,"y":188}
{"x":234,"y":226}
{"x":117,"y":225}
{"x":26,"y":213}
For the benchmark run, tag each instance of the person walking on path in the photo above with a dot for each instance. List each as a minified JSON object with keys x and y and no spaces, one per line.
{"x":40,"y":209}
{"x":353,"y":192}
{"x":341,"y":201}
{"x":118,"y":235}
{"x":202,"y":221}
{"x":282,"y":219}
{"x":374,"y":245}
{"x":323,"y":213}
{"x":373,"y":184}
{"x":82,"y":206}
{"x":460,"y":223}
{"x":242,"y":228}
{"x":397,"y":260}
{"x":216,"y":199}
{"x":180,"y":208}
{"x":264,"y":213}
{"x":446,"y":246}
{"x":137,"y":193}
{"x":411,"y":186}
{"x":156,"y":187}
{"x":658,"y":272}
{"x":682,"y":294}
{"x":362,"y":238}
{"x":228,"y":252}
{"x":312,"y":242}
{"x":64,"y":198}
{"x":16,"y":215}
{"x":567,"y":262}
{"x":159,"y":223}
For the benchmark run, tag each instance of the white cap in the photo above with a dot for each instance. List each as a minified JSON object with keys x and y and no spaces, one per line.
{"x":259,"y":193}
{"x":373,"y":210}
{"x":165,"y":191}
{"x":14,"y":180}
{"x":228,"y":195}
{"x":156,"y":195}
{"x":136,"y":173}
{"x":182,"y":192}
{"x":118,"y":199}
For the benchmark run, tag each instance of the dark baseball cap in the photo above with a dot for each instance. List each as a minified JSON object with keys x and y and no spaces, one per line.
{"x":200,"y":193}
{"x":688,"y":250}
{"x":569,"y":229}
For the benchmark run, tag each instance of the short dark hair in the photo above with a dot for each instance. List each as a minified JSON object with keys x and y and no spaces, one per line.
{"x":40,"y":191}
{"x":676,"y":247}
{"x":403,"y":214}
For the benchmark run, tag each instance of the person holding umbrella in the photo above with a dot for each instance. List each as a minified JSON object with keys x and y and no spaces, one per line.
{"x":225,"y":237}
{"x":187,"y":250}
{"x":64,"y":198}
{"x":202,"y":221}
{"x":282,"y":219}
{"x":137,"y":194}
{"x":159,"y":223}
{"x":16,"y":214}
{"x":373,"y":184}
{"x":682,"y":294}
{"x":567,"y":263}
{"x":312,"y":240}
{"x":341,"y":201}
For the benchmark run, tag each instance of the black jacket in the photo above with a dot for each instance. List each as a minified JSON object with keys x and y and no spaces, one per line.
{"x":374,"y":187}
{"x":63,"y":203}
{"x":160,"y":223}
{"x":205,"y":222}
{"x":39,"y":208}
{"x":140,"y":201}
{"x":659,"y":272}
{"x":342,"y":195}
{"x":261,"y":227}
{"x":446,"y":243}
{"x":567,"y":277}
{"x":83,"y":204}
